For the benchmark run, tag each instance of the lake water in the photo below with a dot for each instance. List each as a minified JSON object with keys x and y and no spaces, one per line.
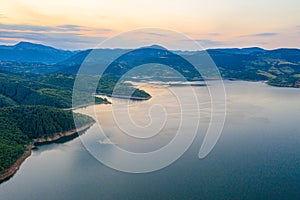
{"x":256,"y":157}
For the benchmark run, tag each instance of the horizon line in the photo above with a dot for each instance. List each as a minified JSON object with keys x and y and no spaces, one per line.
{"x":111,"y":48}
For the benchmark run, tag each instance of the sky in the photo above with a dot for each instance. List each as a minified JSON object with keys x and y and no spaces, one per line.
{"x":81,"y":24}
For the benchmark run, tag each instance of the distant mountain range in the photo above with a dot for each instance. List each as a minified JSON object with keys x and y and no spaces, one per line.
{"x":30,"y":52}
{"x":241,"y":50}
{"x":280,"y":67}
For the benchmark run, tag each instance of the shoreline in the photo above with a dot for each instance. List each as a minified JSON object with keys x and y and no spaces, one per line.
{"x":11,"y":171}
{"x":266,"y":82}
{"x":125,"y":97}
{"x":8,"y":173}
{"x":84,"y":106}
{"x":57,"y":136}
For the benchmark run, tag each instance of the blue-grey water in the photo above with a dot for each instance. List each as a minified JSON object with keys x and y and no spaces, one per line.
{"x":256,"y":157}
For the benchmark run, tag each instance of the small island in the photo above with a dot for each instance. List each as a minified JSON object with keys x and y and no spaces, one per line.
{"x":110,"y":86}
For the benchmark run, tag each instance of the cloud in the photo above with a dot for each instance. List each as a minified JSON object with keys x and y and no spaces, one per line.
{"x":20,"y":35}
{"x":212,"y":34}
{"x":156,"y":34}
{"x":8,"y":41}
{"x":205,"y":43}
{"x":268,"y":34}
{"x":60,"y":40}
{"x":2,"y":16}
{"x":209,"y":43}
{"x":67,"y":36}
{"x":71,"y":27}
{"x":60,"y":28}
{"x":25,"y":27}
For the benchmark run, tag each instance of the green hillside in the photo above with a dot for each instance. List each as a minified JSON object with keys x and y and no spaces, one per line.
{"x":19,"y":125}
{"x":28,"y":89}
{"x":30,"y":108}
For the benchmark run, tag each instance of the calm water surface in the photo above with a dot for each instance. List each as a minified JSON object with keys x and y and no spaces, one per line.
{"x":256,"y":157}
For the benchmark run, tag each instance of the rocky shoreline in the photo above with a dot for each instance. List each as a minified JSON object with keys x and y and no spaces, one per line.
{"x":8,"y":173}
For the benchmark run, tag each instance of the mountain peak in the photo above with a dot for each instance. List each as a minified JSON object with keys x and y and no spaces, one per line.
{"x":31,"y":52}
{"x":24,"y":44}
{"x":155,"y":46}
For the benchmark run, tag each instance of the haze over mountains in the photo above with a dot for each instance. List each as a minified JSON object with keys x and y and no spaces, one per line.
{"x":38,"y":53}
{"x":279,"y":65}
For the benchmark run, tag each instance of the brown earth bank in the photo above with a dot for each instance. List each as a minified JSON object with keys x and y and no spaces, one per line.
{"x":8,"y":173}
{"x":58,"y":136}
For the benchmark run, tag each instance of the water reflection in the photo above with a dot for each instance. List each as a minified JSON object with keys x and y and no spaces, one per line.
{"x":257,"y":156}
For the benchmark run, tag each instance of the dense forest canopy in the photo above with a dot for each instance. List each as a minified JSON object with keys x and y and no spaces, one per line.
{"x":19,"y":125}
{"x":54,"y":89}
{"x":29,"y":108}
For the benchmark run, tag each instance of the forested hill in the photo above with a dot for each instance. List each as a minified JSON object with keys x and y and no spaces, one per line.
{"x":279,"y":67}
{"x":53,"y":89}
{"x":27,"y":89}
{"x":36,"y":53}
{"x":30,"y":108}
{"x":19,"y":125}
